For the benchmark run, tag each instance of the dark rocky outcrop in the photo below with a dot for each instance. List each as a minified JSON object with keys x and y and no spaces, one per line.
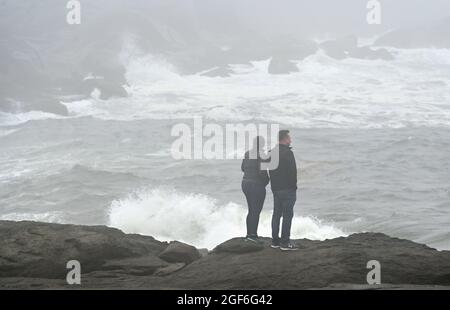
{"x":31,"y":249}
{"x":178,"y":252}
{"x":319,"y":264}
{"x":140,"y":266}
{"x":34,"y":255}
{"x":238,"y":246}
{"x":341,"y":48}
{"x":171,"y":268}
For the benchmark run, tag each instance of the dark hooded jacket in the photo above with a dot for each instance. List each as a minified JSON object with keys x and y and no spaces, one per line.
{"x":285,"y":176}
{"x":251,"y":166}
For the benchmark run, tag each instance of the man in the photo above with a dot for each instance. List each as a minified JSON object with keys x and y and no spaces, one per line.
{"x":283,"y":181}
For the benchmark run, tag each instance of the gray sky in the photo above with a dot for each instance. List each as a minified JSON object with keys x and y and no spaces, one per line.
{"x":328,"y":16}
{"x":306,"y":17}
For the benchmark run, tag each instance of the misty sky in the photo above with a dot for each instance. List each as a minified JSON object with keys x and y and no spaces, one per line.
{"x":306,"y":17}
{"x":344,"y":16}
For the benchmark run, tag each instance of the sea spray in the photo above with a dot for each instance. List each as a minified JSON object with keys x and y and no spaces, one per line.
{"x":408,"y":90}
{"x":198,"y":219}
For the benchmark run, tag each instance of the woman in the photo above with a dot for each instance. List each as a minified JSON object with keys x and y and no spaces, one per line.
{"x":254,"y":185}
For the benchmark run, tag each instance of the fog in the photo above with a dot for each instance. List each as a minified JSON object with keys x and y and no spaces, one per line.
{"x":42,"y":57}
{"x":305,"y":17}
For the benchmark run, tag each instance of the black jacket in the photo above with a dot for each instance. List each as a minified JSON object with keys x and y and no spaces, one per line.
{"x":285,"y":176}
{"x":252,"y":170}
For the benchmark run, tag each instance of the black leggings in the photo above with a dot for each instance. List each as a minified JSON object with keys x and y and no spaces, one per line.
{"x":255,"y":193}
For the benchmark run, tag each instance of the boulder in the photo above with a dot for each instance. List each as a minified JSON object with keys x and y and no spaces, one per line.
{"x":178,"y":252}
{"x":32,"y":249}
{"x":340,"y":48}
{"x":203,"y":252}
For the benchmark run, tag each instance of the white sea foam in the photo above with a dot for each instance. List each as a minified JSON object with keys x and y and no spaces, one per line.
{"x":47,"y":217}
{"x":412,"y":90}
{"x":10,"y":119}
{"x":198,"y":219}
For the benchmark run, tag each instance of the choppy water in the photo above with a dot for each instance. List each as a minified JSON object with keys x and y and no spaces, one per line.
{"x":372,"y":139}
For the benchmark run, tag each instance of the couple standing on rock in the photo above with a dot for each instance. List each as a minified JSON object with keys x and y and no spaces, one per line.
{"x":283,"y":181}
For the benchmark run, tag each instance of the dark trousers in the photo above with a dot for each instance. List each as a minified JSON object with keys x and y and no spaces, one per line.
{"x":283,"y":207}
{"x":255,"y":193}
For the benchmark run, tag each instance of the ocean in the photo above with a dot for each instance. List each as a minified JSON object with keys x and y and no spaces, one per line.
{"x":371,"y":138}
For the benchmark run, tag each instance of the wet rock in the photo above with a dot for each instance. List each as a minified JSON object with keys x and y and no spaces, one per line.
{"x":317,"y":264}
{"x":203,"y":252}
{"x":33,"y":249}
{"x":178,"y":252}
{"x":340,"y":48}
{"x":33,"y":255}
{"x":238,"y":246}
{"x":143,"y":265}
{"x":172,"y":268}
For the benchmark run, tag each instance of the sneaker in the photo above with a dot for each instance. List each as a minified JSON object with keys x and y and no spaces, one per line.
{"x":253,"y":239}
{"x":288,"y":247}
{"x":275,"y":245}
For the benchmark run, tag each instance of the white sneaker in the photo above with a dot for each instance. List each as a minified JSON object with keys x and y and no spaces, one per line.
{"x":289,"y":247}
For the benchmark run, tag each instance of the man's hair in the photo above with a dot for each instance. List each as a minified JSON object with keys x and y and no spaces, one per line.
{"x":282,"y":134}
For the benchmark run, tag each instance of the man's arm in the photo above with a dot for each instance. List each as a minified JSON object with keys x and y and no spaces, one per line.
{"x":291,"y":167}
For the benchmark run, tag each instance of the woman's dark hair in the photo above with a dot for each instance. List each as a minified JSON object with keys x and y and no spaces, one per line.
{"x":258,"y":143}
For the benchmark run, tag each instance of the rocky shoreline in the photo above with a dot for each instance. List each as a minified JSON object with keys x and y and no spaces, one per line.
{"x":34,"y":255}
